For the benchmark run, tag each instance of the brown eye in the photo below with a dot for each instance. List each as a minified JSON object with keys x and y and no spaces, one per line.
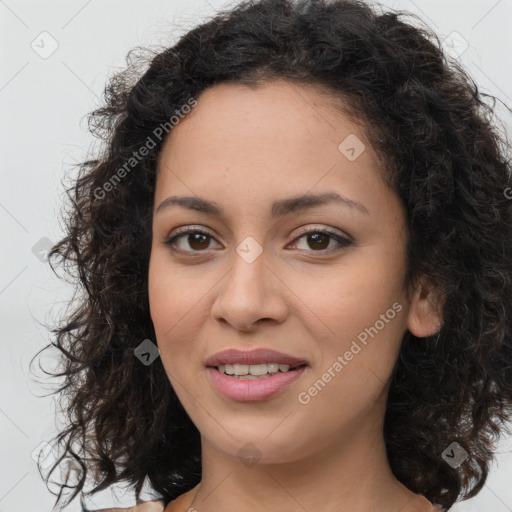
{"x":319,"y":241}
{"x":191,"y":240}
{"x":197,"y":241}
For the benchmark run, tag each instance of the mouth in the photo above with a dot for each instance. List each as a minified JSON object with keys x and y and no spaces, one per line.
{"x":238,"y":383}
{"x":255,"y":371}
{"x":237,"y":360}
{"x":253,"y":375}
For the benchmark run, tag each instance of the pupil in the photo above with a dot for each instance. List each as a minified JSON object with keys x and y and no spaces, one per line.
{"x":198,"y":238}
{"x":317,"y":238}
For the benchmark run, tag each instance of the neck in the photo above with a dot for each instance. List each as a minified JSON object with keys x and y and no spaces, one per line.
{"x":352,"y":475}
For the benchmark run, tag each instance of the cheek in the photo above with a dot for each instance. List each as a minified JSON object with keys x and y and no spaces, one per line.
{"x":171,"y":295}
{"x":162,"y":295}
{"x":166,"y":305}
{"x":177,"y":303}
{"x":359,"y":314}
{"x":351,"y":298}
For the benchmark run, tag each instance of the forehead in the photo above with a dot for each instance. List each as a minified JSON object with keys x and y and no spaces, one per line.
{"x":278,"y":139}
{"x":233,"y":115}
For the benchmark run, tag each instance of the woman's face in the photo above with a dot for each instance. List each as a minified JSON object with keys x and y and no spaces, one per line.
{"x":254,"y":279}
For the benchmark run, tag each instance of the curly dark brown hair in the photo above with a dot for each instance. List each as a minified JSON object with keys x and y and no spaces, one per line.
{"x":443,"y":154}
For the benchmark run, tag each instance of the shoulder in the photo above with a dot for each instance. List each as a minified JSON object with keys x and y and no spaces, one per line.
{"x":149,"y":506}
{"x":179,"y":504}
{"x":146,"y":506}
{"x":182,"y":503}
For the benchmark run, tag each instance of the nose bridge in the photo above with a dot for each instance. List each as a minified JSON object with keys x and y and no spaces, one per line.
{"x":249,"y":264}
{"x":250,"y":292}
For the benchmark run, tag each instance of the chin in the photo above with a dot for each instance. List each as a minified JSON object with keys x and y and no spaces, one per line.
{"x":255,"y":445}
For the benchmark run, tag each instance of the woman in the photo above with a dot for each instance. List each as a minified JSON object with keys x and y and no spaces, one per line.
{"x":295,"y":252}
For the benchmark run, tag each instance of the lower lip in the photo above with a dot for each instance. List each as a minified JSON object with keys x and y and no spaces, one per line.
{"x":252,"y":390}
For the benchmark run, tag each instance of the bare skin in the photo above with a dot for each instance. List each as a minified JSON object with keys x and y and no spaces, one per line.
{"x":244,"y":149}
{"x":187,"y":503}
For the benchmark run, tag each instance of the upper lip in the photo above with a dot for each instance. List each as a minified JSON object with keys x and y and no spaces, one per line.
{"x":255,"y":356}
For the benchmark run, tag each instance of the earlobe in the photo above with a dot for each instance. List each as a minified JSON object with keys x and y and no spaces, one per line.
{"x":425,"y":310}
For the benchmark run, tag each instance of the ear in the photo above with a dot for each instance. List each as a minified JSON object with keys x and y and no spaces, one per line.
{"x":425,"y":310}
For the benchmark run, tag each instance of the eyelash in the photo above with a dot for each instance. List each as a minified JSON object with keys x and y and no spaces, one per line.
{"x":344,"y":242}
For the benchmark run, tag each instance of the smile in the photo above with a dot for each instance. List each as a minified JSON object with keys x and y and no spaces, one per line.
{"x":254,"y":371}
{"x":247,"y":387}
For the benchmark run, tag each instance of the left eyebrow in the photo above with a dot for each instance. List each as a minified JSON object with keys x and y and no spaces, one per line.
{"x":279,"y":208}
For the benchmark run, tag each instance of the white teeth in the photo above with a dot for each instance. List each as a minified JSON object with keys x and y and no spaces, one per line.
{"x":228,"y":368}
{"x":241,"y":369}
{"x":258,"y":369}
{"x":252,"y":370}
{"x":272,"y":367}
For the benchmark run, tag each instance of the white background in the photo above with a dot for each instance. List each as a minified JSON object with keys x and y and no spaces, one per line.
{"x":43,"y":102}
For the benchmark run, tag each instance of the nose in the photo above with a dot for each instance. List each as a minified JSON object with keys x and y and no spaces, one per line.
{"x":250,"y":294}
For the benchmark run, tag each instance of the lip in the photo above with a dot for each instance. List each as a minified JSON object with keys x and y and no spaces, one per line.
{"x":254,"y":356}
{"x":241,"y":390}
